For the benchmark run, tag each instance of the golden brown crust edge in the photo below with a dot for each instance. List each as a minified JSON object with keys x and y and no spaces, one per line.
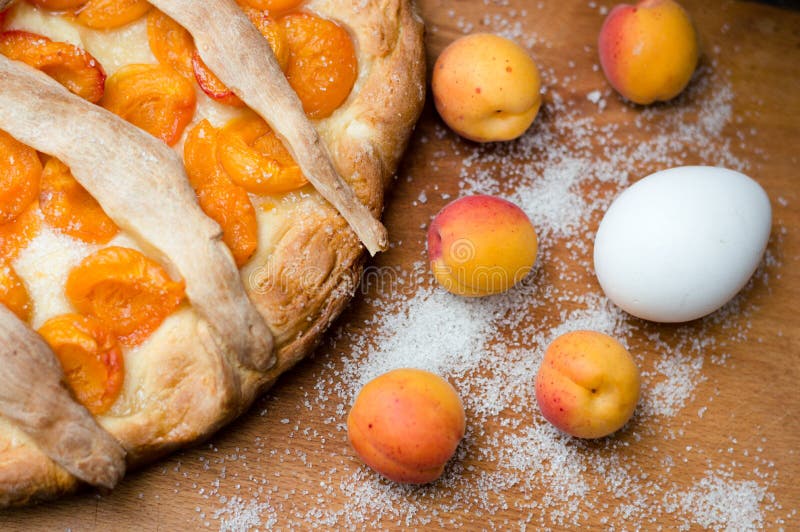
{"x":298,"y":313}
{"x":300,"y":308}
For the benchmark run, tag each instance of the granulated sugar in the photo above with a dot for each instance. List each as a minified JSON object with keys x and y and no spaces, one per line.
{"x":718,"y":502}
{"x":513,"y":468}
{"x":238,"y":514}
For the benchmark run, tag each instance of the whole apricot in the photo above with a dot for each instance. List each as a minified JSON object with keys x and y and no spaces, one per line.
{"x":486,"y":88}
{"x":648,"y":51}
{"x":481,"y":245}
{"x":406,"y":424}
{"x":587,"y":385}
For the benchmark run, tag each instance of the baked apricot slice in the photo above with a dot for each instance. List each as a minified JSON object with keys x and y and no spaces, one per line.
{"x":211,"y":84}
{"x":73,"y":67}
{"x":171,"y":43}
{"x":152,"y":97}
{"x":20,"y":173}
{"x":13,"y":293}
{"x":16,"y":235}
{"x":58,"y":5}
{"x":91,"y":358}
{"x":272,"y":31}
{"x":200,"y":156}
{"x":255,"y":158}
{"x":129,"y":293}
{"x":109,"y":14}
{"x":231,"y":208}
{"x":271,"y":5}
{"x":223,"y":201}
{"x":214,"y":87}
{"x":322,"y":65}
{"x":68,"y":207}
{"x":20,"y":177}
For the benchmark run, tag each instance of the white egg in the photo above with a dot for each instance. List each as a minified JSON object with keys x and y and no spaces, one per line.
{"x":679,"y":244}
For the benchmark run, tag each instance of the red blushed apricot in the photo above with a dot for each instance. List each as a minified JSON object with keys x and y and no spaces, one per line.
{"x":68,"y":207}
{"x":481,"y":245}
{"x":587,"y":385}
{"x":109,"y":14}
{"x":256,"y":159}
{"x":648,"y":51}
{"x":152,"y":97}
{"x":129,"y":293}
{"x":223,"y":201}
{"x":322,"y":65}
{"x":171,"y":43}
{"x":91,"y":358}
{"x":20,"y":174}
{"x":13,"y":293}
{"x":71,"y":66}
{"x":406,"y":424}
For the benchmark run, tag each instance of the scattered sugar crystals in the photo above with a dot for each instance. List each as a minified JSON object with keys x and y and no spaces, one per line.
{"x":716,"y":501}
{"x":514,"y":469}
{"x":238,"y":514}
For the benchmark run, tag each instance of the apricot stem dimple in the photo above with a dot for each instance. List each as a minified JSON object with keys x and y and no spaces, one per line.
{"x":580,"y":410}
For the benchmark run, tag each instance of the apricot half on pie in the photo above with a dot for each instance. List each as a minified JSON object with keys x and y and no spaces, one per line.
{"x":186,"y":192}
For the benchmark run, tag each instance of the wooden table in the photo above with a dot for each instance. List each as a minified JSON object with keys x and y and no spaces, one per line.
{"x":716,"y":439}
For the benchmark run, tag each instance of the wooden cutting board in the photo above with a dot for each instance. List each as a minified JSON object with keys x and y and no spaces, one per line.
{"x":716,"y":441}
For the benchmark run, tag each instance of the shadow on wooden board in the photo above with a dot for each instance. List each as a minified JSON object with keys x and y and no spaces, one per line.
{"x":789,"y":4}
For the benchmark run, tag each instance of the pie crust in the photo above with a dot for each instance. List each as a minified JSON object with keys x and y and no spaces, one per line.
{"x":209,"y":360}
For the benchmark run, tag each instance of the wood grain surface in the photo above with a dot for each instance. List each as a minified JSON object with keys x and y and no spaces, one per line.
{"x":735,"y":440}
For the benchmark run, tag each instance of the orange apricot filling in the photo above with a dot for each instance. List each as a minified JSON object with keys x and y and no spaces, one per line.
{"x":272,"y":31}
{"x":129,"y":293}
{"x":20,"y":173}
{"x":14,"y":236}
{"x":231,"y":208}
{"x":91,"y":359}
{"x":170,"y":43}
{"x":152,"y":97}
{"x":322,"y":62}
{"x":68,"y":207}
{"x":255,"y":158}
{"x":13,"y":293}
{"x":223,"y":201}
{"x":58,"y":5}
{"x":73,"y":67}
{"x":109,"y":14}
{"x":270,"y":5}
{"x":174,"y":46}
{"x":211,"y":84}
{"x":214,"y":87}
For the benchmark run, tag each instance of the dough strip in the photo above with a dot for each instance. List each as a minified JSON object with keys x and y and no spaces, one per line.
{"x":34,"y":397}
{"x":142,"y":185}
{"x":241,"y":57}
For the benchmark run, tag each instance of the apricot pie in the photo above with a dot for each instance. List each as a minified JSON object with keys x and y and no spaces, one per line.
{"x":187,"y":190}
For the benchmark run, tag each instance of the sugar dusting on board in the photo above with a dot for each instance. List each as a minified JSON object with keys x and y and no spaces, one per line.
{"x":567,"y":169}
